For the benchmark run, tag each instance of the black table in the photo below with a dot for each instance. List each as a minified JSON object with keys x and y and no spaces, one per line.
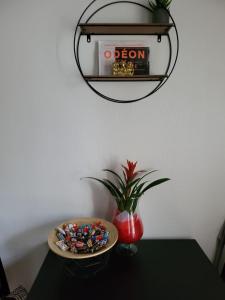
{"x":162,"y":269}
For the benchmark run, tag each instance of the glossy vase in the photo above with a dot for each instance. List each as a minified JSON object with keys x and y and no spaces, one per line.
{"x":130,"y":229}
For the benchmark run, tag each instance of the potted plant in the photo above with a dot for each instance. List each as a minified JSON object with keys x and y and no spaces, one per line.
{"x":127,"y":190}
{"x":160,"y":10}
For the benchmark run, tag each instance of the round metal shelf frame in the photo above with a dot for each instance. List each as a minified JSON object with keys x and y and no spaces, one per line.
{"x":169,"y":69}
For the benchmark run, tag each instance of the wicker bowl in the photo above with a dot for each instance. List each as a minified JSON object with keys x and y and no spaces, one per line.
{"x":113,"y":236}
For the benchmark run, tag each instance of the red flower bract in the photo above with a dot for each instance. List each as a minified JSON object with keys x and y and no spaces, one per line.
{"x":129,"y":170}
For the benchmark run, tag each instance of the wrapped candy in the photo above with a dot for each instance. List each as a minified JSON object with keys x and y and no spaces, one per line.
{"x":62,"y":245}
{"x":86,"y":238}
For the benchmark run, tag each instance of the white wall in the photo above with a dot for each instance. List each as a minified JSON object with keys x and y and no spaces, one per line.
{"x":54,"y":130}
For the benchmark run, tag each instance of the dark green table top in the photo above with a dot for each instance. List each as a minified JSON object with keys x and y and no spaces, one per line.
{"x":162,"y":269}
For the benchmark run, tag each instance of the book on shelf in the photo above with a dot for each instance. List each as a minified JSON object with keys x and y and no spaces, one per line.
{"x":137,"y":52}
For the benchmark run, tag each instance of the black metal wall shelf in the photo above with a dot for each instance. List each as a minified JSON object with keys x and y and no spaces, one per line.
{"x":124,"y":28}
{"x":160,"y":30}
{"x":123,"y":78}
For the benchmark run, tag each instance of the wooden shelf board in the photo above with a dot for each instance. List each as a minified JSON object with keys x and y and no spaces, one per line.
{"x":124,"y":28}
{"x":120,"y":78}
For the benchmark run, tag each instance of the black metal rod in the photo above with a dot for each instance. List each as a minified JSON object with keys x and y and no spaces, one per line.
{"x":77,"y":44}
{"x":78,"y":23}
{"x":170,"y":45}
{"x":107,"y":97}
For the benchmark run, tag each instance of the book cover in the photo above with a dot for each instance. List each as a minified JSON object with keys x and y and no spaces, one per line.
{"x":138,"y":52}
{"x":139,"y":56}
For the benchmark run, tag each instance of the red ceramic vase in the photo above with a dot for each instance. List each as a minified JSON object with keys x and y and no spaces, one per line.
{"x":129,"y":226}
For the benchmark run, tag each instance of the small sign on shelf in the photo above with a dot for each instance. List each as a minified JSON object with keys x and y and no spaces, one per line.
{"x":113,"y":54}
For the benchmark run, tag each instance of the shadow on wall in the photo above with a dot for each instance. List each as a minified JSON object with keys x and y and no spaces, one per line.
{"x":103,"y":203}
{"x":24,"y":270}
{"x":25,"y":267}
{"x":28,"y":249}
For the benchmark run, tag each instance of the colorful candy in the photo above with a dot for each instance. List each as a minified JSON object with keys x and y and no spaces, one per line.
{"x":86,"y":238}
{"x":62,"y":245}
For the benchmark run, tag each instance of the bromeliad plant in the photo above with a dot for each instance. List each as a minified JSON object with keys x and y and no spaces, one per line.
{"x":157,"y":4}
{"x":127,"y":190}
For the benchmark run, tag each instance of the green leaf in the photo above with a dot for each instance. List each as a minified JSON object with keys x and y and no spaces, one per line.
{"x":131,"y":183}
{"x":152,"y":6}
{"x":168,"y":2}
{"x":121,"y":183}
{"x":130,"y":203}
{"x":114,"y":187}
{"x":159,"y":4}
{"x":124,"y":175}
{"x":142,"y":171}
{"x":154,"y":183}
{"x":138,"y":189}
{"x":109,"y":188}
{"x":139,"y":179}
{"x":135,"y":205}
